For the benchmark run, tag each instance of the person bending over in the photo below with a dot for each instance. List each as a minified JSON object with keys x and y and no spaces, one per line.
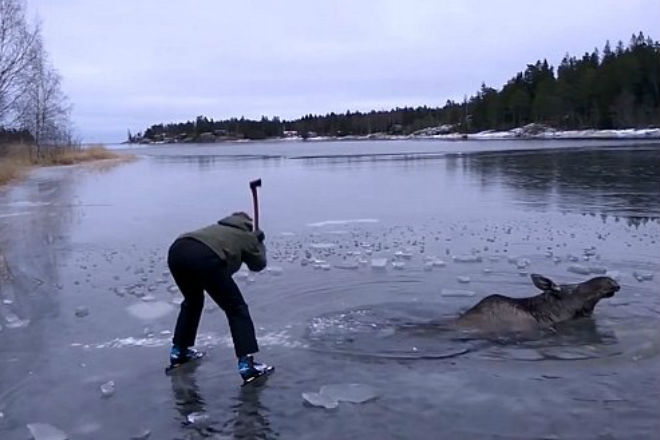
{"x":204,"y":260}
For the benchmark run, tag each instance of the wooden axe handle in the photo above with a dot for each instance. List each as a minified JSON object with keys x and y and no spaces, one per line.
{"x":255,"y":201}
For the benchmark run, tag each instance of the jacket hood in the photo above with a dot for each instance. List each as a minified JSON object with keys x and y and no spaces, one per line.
{"x":238,"y":220}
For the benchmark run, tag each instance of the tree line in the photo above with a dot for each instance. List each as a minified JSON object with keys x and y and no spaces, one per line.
{"x":33,"y":107}
{"x":605,"y":89}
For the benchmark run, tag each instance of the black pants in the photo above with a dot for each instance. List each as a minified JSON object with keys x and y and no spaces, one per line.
{"x":196,"y":269}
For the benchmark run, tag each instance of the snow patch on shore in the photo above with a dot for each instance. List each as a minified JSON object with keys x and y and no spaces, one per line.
{"x":534,"y":131}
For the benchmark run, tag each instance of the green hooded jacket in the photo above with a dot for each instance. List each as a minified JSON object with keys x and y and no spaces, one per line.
{"x":234,"y":241}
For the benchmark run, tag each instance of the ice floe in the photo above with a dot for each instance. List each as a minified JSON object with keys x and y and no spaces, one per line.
{"x":329,"y":396}
{"x":107,"y":388}
{"x":275,"y":270}
{"x":81,"y":311}
{"x":44,"y":431}
{"x":467,"y":258}
{"x":457,"y":292}
{"x":342,"y":222}
{"x":150,"y":310}
{"x":379,"y":263}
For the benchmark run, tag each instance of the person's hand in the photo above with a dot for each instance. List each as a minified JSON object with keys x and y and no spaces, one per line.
{"x":260,"y":235}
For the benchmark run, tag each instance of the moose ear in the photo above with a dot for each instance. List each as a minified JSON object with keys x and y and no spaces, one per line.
{"x":545,"y":284}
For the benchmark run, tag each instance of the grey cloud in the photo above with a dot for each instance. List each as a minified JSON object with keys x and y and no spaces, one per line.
{"x":128,"y":64}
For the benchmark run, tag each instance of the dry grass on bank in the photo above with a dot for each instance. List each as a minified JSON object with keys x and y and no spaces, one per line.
{"x":70,"y":156}
{"x":17,"y":159}
{"x":10,"y":171}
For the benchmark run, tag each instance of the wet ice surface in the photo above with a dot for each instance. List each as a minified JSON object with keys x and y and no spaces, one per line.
{"x":367,"y":257}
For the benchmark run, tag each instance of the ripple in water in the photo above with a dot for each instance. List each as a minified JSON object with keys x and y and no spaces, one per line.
{"x":417,"y":331}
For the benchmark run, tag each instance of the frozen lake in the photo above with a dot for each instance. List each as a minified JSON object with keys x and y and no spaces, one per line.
{"x":86,"y":297}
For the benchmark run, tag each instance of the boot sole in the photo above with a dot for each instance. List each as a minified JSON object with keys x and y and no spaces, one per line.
{"x":178,"y":367}
{"x":263,"y":375}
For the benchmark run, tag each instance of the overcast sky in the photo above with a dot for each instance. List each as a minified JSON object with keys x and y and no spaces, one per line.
{"x":127,"y":64}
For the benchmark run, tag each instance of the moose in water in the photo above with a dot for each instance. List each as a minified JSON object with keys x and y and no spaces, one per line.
{"x":555,"y":303}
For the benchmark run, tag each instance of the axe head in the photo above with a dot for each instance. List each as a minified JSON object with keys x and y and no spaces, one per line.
{"x":254,"y":184}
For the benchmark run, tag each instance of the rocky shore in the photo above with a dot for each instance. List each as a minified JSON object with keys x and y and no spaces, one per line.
{"x":443,"y":132}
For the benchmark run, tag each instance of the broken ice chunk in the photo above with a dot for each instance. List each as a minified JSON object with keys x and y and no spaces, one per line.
{"x":142,"y":435}
{"x":330,"y":395}
{"x":522,"y":263}
{"x":81,"y":311}
{"x":457,"y":292}
{"x":379,"y":263}
{"x":321,"y":400}
{"x":241,"y":275}
{"x":150,"y":310}
{"x":197,"y":418}
{"x":322,"y":246}
{"x":597,"y":270}
{"x":590,"y":252}
{"x":463,"y":279}
{"x":275,"y":270}
{"x":615,"y":274}
{"x":467,"y":258}
{"x":579,"y":269}
{"x":13,"y":321}
{"x":108,"y":388}
{"x":643,"y":276}
{"x":349,"y":392}
{"x":44,"y":431}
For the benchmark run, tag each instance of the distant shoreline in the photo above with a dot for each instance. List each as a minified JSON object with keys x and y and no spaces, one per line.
{"x":528,"y":132}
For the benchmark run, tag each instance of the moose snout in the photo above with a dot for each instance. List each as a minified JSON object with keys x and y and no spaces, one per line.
{"x":612,"y":288}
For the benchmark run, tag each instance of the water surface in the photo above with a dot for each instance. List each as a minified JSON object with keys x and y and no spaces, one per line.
{"x":92,"y":242}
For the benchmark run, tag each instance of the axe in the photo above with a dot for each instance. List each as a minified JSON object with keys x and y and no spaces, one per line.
{"x":255,"y":201}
